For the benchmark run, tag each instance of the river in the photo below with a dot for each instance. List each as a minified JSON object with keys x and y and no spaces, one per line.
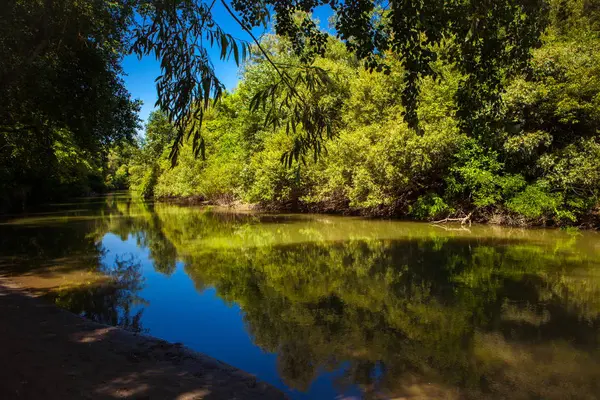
{"x":329,"y":307}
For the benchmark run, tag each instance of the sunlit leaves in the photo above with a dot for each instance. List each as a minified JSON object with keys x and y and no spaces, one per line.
{"x":541,"y":166}
{"x":287,"y":104}
{"x":179,"y":34}
{"x":486,"y":40}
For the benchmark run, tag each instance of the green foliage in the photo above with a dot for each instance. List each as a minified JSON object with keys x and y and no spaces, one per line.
{"x":535,"y":201}
{"x":448,"y":115}
{"x":429,"y":206}
{"x":537,"y":160}
{"x":62,"y":99}
{"x":145,"y":165}
{"x":117,"y":166}
{"x":479,"y":177}
{"x":46,"y":64}
{"x":146,"y":187}
{"x":490,"y":41}
{"x":540,"y":165}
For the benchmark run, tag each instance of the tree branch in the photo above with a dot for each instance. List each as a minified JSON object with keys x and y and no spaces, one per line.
{"x":262,"y":50}
{"x":462,"y":221}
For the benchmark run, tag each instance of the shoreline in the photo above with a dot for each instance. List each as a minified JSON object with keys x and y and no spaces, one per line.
{"x":55,"y":354}
{"x":496,"y":217}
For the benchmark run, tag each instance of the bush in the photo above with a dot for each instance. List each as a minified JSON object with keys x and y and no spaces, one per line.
{"x":429,"y":206}
{"x":535,"y":202}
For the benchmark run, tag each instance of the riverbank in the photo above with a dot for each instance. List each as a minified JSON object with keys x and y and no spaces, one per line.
{"x":488,"y":215}
{"x":51,"y":353}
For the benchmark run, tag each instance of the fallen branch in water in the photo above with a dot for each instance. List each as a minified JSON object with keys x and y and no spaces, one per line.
{"x":446,"y":228}
{"x":462,"y":221}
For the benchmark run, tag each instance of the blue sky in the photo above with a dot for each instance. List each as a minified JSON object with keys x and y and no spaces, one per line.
{"x":140,"y":74}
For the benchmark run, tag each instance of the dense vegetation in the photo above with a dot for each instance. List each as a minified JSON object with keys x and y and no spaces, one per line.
{"x":537,"y":161}
{"x":63,"y":102}
{"x":462,"y":115}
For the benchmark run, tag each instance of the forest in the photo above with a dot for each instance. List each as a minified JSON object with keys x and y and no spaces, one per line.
{"x":522,"y":148}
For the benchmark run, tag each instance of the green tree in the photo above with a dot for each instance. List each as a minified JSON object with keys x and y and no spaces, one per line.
{"x":62,"y":99}
{"x":490,"y":39}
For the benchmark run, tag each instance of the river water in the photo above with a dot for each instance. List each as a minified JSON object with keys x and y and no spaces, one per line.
{"x":329,"y":307}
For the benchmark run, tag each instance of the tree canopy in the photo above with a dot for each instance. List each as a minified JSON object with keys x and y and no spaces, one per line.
{"x":535,"y":162}
{"x":64,"y":106}
{"x":485,"y":40}
{"x":62,"y":97}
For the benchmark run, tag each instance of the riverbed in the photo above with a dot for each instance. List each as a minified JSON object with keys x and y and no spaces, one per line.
{"x":327,"y":307}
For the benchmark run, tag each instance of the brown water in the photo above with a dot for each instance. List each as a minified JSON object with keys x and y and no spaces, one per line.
{"x":330,"y":307}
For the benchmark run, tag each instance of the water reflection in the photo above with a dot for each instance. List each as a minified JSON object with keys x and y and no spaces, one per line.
{"x":420,"y":309}
{"x":62,"y":257}
{"x":114,"y":301}
{"x":398,"y":309}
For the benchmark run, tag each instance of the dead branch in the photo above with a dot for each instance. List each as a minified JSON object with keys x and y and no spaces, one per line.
{"x":462,"y":220}
{"x":446,"y":228}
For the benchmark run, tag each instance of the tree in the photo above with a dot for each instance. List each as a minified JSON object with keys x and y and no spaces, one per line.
{"x":61,"y":68}
{"x":486,"y":40}
{"x":536,"y":164}
{"x":62,"y":98}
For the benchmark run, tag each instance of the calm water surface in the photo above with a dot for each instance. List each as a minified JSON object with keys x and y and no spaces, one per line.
{"x":327,"y":307}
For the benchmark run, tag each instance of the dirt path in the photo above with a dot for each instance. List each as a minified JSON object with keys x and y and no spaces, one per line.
{"x":50,"y":353}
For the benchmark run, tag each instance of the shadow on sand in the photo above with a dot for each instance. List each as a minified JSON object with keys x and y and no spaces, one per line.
{"x":51,"y":353}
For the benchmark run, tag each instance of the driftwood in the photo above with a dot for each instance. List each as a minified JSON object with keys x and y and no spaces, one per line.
{"x":462,"y":220}
{"x":446,"y":228}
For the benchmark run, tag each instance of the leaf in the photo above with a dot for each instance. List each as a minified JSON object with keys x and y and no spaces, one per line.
{"x":236,"y":54}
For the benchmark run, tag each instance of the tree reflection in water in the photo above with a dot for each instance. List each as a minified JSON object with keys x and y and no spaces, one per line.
{"x":402,"y":309}
{"x":114,"y":301}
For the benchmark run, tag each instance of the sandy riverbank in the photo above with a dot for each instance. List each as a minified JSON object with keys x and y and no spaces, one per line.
{"x":50,"y":353}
